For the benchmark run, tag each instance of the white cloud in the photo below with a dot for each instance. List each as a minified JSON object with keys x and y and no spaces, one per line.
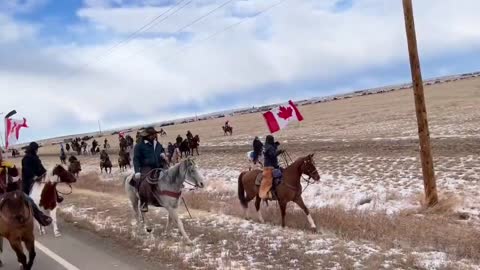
{"x":11,"y":31}
{"x":295,"y":41}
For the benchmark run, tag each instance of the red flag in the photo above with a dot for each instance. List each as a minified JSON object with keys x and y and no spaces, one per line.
{"x":279,"y":117}
{"x":12,"y":130}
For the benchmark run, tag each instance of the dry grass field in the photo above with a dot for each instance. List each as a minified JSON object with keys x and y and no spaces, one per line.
{"x":367,"y":205}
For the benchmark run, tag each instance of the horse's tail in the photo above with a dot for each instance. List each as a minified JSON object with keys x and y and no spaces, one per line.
{"x":241,"y":191}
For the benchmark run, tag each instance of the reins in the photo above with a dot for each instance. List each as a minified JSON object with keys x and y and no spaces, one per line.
{"x":287,"y":159}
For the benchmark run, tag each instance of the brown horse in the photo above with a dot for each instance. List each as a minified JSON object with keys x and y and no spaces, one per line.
{"x":123,"y":160}
{"x":194,"y":144}
{"x":227,"y":130}
{"x":74,"y":167}
{"x":16,"y":225}
{"x":105,"y":162}
{"x":290,"y":189}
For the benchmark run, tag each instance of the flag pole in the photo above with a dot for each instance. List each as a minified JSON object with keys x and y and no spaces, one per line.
{"x":1,"y":137}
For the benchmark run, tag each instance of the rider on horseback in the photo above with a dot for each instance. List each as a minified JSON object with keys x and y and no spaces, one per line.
{"x":179,"y":140}
{"x":8,"y":170}
{"x":148,"y":155}
{"x":271,"y":153}
{"x":189,"y":136}
{"x":257,"y":149}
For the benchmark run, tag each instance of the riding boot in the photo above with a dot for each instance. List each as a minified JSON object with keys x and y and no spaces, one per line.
{"x":43,"y":219}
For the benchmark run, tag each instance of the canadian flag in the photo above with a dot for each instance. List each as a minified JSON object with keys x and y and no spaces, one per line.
{"x":279,"y":117}
{"x":12,"y":130}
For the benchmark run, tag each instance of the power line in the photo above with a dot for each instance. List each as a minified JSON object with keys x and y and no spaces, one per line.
{"x":152,"y":23}
{"x":188,"y":25}
{"x":231,"y":26}
{"x":148,"y":25}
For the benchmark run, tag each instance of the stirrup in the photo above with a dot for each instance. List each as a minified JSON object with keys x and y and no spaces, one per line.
{"x":144,"y":207}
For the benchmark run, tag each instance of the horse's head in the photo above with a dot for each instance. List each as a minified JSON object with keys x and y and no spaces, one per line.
{"x":14,"y":208}
{"x":192,"y":173}
{"x":64,"y":176}
{"x":308,"y":168}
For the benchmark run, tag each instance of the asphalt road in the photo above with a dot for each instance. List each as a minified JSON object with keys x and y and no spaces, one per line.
{"x":77,"y":249}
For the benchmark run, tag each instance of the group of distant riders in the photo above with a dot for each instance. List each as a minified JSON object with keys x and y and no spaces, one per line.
{"x":149,"y":154}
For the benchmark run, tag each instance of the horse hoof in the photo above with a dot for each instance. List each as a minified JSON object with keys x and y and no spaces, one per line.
{"x":1,"y":263}
{"x":58,"y":234}
{"x":149,"y":230}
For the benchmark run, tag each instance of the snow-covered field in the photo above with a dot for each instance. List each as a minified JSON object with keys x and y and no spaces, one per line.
{"x":366,"y":151}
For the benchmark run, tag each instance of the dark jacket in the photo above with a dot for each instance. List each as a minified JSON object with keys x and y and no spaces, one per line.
{"x":145,"y":157}
{"x":179,"y":140}
{"x":31,"y":167}
{"x":257,"y":146}
{"x":271,"y":156}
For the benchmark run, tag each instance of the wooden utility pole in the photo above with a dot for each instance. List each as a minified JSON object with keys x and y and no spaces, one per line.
{"x":430,"y":186}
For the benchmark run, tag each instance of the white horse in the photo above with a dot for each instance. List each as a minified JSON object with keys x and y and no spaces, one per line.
{"x":44,"y":194}
{"x":167,"y":192}
{"x":251,"y":161}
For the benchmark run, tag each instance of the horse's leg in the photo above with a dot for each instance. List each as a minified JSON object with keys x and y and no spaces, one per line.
{"x":1,"y":250}
{"x":257,"y":206}
{"x":30,"y":246}
{"x":169,"y":221}
{"x":16,"y":245}
{"x":283,"y":210}
{"x":53,"y":215}
{"x":301,"y":204}
{"x":176,"y":218}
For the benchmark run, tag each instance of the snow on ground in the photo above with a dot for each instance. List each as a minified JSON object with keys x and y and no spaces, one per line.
{"x":222,"y":241}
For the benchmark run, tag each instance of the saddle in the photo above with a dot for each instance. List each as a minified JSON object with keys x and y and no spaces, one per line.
{"x":146,"y":190}
{"x":277,"y":178}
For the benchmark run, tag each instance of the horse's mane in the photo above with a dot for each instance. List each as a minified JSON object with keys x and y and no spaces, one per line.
{"x":173,"y":172}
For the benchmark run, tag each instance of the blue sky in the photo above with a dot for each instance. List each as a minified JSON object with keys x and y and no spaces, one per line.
{"x":60,"y":71}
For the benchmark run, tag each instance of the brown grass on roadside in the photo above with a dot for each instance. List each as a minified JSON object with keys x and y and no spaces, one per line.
{"x":92,"y":181}
{"x":422,"y":230}
{"x":428,"y":229}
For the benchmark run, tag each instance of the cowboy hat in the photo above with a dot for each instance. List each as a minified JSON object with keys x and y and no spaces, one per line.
{"x":148,"y":131}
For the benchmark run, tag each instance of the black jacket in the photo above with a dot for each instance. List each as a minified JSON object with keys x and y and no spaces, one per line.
{"x":31,"y":167}
{"x":257,"y":146}
{"x":145,"y":156}
{"x":271,"y":156}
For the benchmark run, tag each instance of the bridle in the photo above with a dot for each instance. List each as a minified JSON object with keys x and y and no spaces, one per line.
{"x":287,"y":159}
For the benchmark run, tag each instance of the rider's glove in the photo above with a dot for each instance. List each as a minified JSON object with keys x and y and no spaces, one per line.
{"x":137,"y":176}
